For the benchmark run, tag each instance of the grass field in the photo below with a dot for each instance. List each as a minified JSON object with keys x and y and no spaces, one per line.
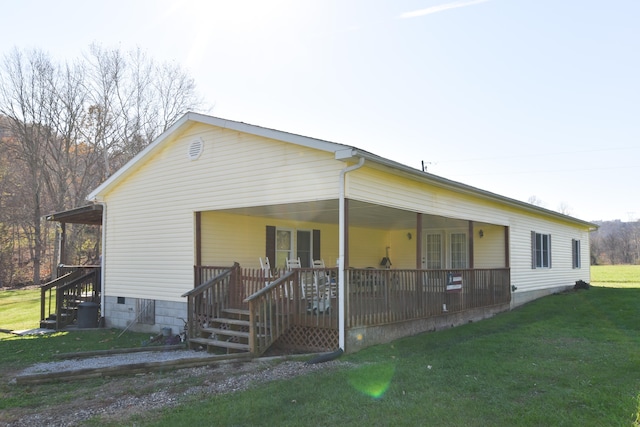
{"x":617,"y":276}
{"x":571,"y":359}
{"x":19,"y":309}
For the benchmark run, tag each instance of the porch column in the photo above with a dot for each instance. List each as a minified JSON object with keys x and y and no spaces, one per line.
{"x":63,"y":244}
{"x":198,"y":238}
{"x":343,"y":249}
{"x":418,"y":241}
{"x":471,"y":236}
{"x":507,"y":260}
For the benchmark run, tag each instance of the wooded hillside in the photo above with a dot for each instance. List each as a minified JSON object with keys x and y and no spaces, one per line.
{"x":64,"y":128}
{"x":616,"y":242}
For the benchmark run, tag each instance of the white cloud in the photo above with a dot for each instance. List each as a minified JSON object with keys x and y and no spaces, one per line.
{"x":440,"y":8}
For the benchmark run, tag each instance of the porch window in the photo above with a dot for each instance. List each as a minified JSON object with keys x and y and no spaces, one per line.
{"x":458,"y":250}
{"x":284,"y":246}
{"x":575,"y":252}
{"x":434,"y":251}
{"x":540,"y":250}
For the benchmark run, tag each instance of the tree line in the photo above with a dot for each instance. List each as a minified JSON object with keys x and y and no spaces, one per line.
{"x":65,"y":127}
{"x":616,"y":242}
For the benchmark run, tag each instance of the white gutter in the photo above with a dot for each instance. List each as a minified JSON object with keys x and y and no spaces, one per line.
{"x":342,"y":249}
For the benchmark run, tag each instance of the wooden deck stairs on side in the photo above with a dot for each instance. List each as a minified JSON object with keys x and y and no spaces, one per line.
{"x":228,"y":334}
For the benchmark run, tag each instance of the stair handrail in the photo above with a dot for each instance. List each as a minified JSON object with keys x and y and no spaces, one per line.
{"x":193,"y":323}
{"x":54,"y":284}
{"x":270,"y":311}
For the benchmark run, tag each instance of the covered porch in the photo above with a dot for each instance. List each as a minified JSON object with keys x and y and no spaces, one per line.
{"x":400,"y":267}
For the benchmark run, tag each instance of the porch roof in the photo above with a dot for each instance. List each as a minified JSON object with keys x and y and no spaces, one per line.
{"x":90,"y":214}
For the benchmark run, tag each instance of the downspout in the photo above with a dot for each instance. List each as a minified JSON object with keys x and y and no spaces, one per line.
{"x":342,"y":250}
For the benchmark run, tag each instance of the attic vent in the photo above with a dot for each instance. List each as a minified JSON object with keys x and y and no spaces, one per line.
{"x":195,"y":149}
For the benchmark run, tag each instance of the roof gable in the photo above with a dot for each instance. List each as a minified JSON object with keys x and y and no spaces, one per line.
{"x":340,"y":151}
{"x":190,"y":118}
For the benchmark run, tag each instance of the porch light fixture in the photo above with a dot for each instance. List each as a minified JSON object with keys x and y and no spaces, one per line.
{"x":481,"y":234}
{"x":409,"y":236}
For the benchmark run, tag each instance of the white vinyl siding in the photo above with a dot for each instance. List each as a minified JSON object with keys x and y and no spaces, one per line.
{"x":149,"y":247}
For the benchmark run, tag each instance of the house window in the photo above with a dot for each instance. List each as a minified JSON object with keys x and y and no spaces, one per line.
{"x":458,"y":250}
{"x":284,"y":247}
{"x":575,"y":253}
{"x":540,"y":250}
{"x":434,"y":251}
{"x":286,"y":243}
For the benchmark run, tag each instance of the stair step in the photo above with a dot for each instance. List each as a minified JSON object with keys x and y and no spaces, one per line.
{"x":217,"y":343}
{"x":236,"y":311}
{"x":237,"y":322}
{"x":48,"y":324}
{"x":227,"y":332}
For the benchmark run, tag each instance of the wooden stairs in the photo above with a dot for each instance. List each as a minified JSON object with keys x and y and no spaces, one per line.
{"x":229,"y":334}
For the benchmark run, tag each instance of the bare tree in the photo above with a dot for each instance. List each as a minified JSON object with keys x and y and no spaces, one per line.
{"x":25,"y":97}
{"x":534,"y":200}
{"x":565,"y":209}
{"x":72,"y":125}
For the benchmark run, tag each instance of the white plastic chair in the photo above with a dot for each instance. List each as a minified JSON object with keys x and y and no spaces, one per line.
{"x":265,"y":266}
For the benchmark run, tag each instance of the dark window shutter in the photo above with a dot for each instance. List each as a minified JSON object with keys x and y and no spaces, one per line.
{"x":270,"y":249}
{"x":550,"y":251}
{"x":316,"y":245}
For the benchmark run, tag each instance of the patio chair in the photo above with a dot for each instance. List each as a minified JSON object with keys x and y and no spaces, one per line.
{"x":265,"y":266}
{"x":325,"y":283}
{"x":293,"y":263}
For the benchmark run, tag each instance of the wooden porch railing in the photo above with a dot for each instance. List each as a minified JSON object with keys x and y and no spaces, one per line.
{"x":384,"y":296}
{"x":271,"y":311}
{"x":59,"y":299}
{"x":299,"y":299}
{"x":293,"y":302}
{"x":207,"y":300}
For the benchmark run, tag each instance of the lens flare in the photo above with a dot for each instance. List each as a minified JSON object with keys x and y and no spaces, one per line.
{"x":372,"y":380}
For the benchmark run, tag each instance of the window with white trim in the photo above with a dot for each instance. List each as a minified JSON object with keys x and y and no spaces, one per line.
{"x":575,"y":253}
{"x":458,"y":250}
{"x":284,"y":247}
{"x":434,"y":251}
{"x":540,"y":250}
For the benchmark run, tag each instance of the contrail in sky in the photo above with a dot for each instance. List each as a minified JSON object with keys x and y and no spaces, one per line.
{"x":440,"y":8}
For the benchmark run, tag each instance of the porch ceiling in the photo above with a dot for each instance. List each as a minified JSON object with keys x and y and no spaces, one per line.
{"x":361,"y":214}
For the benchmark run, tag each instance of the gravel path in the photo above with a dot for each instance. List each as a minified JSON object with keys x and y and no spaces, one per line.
{"x":119,"y":398}
{"x":114,"y":360}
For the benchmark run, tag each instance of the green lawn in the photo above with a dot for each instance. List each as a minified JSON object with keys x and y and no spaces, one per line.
{"x":564,"y":360}
{"x":571,"y":359}
{"x":19,"y":309}
{"x":617,"y":276}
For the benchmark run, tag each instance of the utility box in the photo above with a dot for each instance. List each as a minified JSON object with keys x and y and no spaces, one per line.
{"x":87,"y":315}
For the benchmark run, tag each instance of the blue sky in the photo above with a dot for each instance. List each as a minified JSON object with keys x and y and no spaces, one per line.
{"x":519,"y":97}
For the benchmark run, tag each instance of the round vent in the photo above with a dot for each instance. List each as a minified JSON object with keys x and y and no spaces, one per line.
{"x":195,"y":149}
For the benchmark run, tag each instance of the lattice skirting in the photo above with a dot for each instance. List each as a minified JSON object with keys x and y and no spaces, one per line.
{"x":309,"y":339}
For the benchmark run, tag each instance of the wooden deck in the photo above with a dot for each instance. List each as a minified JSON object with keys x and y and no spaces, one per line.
{"x":298,"y":311}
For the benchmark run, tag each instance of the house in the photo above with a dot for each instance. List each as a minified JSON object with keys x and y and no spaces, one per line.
{"x":187,"y":222}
